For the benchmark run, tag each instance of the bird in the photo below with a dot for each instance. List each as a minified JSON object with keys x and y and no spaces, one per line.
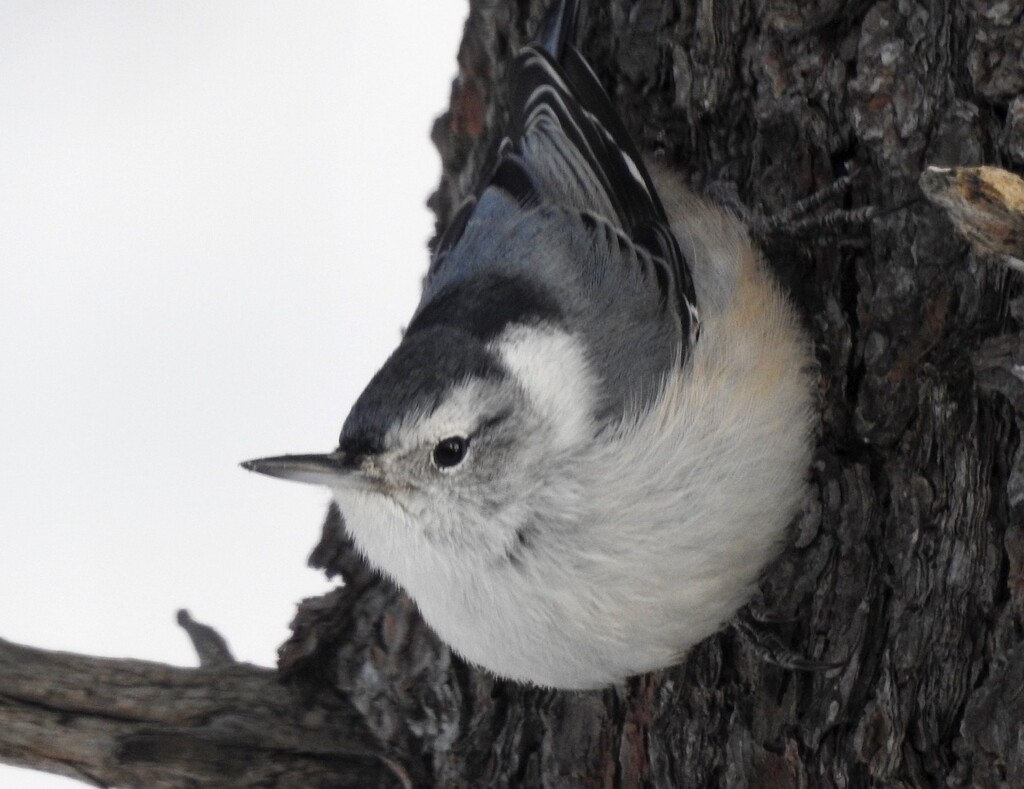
{"x":598,"y":423}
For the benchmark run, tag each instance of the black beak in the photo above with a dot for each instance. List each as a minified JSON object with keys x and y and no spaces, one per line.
{"x":314,"y":469}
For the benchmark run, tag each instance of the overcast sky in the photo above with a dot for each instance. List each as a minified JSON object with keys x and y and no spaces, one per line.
{"x":212,"y":229}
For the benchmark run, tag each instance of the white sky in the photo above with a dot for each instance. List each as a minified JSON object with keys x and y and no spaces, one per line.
{"x":212,"y":228}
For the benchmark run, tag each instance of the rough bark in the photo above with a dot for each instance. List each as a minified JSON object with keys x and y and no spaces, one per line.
{"x":907,"y":567}
{"x":132,"y":723}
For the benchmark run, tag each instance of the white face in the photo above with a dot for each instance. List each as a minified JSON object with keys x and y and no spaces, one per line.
{"x":441,"y":479}
{"x":467,"y":479}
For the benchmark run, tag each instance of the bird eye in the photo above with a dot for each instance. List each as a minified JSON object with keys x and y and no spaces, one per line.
{"x":449,"y":452}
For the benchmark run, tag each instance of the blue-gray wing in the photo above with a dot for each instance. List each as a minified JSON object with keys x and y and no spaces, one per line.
{"x":569,"y":208}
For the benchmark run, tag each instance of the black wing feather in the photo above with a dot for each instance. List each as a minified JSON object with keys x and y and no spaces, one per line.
{"x":555,"y":98}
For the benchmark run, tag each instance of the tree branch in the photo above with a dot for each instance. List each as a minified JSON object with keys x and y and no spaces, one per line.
{"x":134,"y":723}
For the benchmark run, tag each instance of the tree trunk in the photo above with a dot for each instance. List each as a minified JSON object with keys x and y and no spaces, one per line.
{"x":907,"y":566}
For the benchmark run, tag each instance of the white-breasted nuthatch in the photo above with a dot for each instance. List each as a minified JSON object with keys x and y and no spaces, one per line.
{"x":597,"y":425}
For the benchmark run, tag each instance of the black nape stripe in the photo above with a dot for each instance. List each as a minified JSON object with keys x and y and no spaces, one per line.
{"x":482,"y":306}
{"x":416,"y":379}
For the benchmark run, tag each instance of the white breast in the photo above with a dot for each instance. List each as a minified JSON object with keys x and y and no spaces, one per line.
{"x":668,"y":521}
{"x":642,"y":540}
